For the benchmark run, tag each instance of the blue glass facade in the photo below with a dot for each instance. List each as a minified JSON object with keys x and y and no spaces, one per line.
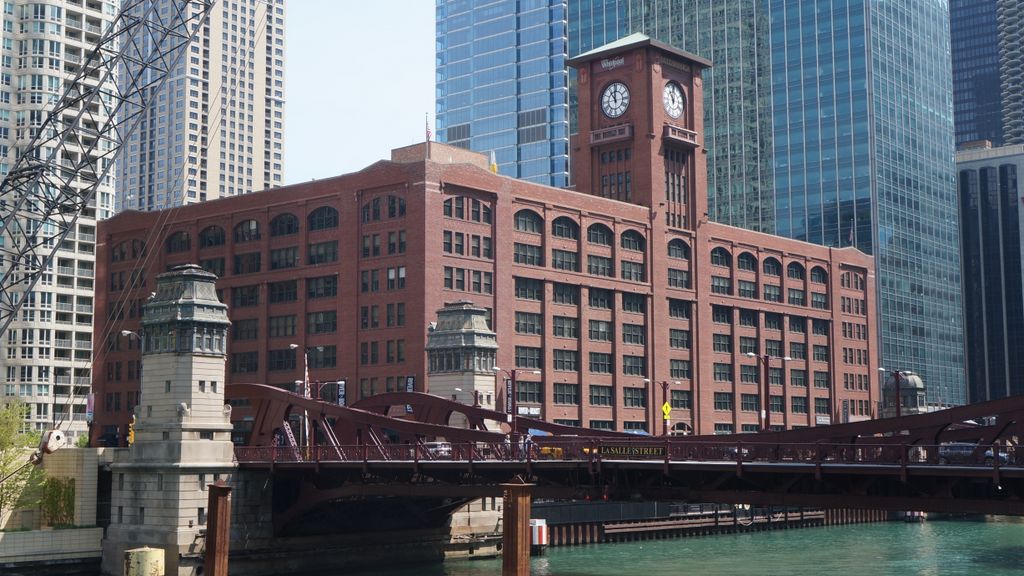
{"x":864,"y":156}
{"x":829,"y":121}
{"x":977,"y":102}
{"x":502,"y":84}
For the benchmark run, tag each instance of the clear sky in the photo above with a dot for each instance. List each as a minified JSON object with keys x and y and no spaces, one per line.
{"x":359,"y":79}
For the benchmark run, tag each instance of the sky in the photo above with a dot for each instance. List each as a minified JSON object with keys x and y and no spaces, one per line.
{"x":359,"y":81}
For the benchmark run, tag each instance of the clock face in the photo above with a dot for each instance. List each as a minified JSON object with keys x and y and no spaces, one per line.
{"x":672,"y":98}
{"x":615,"y":99}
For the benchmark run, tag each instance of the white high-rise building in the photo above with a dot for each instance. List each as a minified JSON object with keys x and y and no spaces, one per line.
{"x":217,"y":127}
{"x":46,"y":355}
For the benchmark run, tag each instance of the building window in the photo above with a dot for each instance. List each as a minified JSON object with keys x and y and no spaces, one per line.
{"x":633,"y":334}
{"x":529,"y":289}
{"x":247,"y":231}
{"x":778,"y":404}
{"x":723,"y":400}
{"x":396,"y":208}
{"x":323,"y":218}
{"x":821,"y":406}
{"x":602,"y":425}
{"x":600,"y":331}
{"x":211,"y":236}
{"x":323,"y":357}
{"x":721,"y":314}
{"x":566,"y":360}
{"x":798,"y":350}
{"x":749,"y":374}
{"x":775,"y":376}
{"x":565,"y":260}
{"x":284,"y":225}
{"x":600,"y":363}
{"x":278,"y":326}
{"x":722,"y":372}
{"x":322,"y":252}
{"x":678,"y":278}
{"x":798,"y":324}
{"x":529,"y":221}
{"x":599,"y":234}
{"x":722,"y":342}
{"x":680,"y":369}
{"x":528,"y":323}
{"x":632,"y":240}
{"x":681,"y":399}
{"x":772,"y":321}
{"x":634,"y":397}
{"x":819,"y":301}
{"x":746,"y":261}
{"x":818,"y":275}
{"x":599,"y":266}
{"x":747,"y":289}
{"x":284,"y":258}
{"x":634,"y":365}
{"x":820,"y":353}
{"x":722,"y":428}
{"x":528,"y":357}
{"x":565,"y":327}
{"x":322,"y":287}
{"x":632,"y":271}
{"x":773,"y":348}
{"x":245,"y":329}
{"x":721,"y":285}
{"x":821,"y":379}
{"x":721,"y":257}
{"x":799,"y":404}
{"x":748,"y":344}
{"x":565,"y":294}
{"x":819,"y":327}
{"x":281,"y":359}
{"x":178,"y":242}
{"x":601,"y":395}
{"x":243,"y":296}
{"x":564,"y":227}
{"x":245,"y":362}
{"x":679,"y":339}
{"x":796,"y":297}
{"x":325,"y":322}
{"x":528,"y":254}
{"x":795,"y":271}
{"x":213,"y":266}
{"x":678,"y":249}
{"x":286,"y":291}
{"x":636,"y":303}
{"x":567,"y":394}
{"x":750,"y":402}
{"x":529,"y":392}
{"x":772,"y":293}
{"x":798,"y":378}
{"x":678,"y":308}
{"x":601,"y":299}
{"x":748,"y":318}
{"x":772,"y":267}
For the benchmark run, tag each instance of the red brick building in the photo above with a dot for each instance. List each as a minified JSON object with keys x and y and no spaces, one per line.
{"x":609,"y":290}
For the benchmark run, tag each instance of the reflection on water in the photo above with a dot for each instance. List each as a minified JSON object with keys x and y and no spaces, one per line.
{"x":938,"y":548}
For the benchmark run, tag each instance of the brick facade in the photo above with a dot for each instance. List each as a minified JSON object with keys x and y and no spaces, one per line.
{"x":607,"y":294}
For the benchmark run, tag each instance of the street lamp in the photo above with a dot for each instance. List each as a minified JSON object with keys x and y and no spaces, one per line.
{"x":897,"y":376}
{"x":510,"y":393}
{"x":305,"y":383}
{"x":766,"y":411}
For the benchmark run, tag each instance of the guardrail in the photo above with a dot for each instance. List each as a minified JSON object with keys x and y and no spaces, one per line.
{"x":653,"y":449}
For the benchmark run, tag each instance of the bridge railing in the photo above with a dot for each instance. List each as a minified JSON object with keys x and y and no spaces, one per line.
{"x":593,"y":449}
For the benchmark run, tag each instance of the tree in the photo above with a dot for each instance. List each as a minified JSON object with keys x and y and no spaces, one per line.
{"x":20,"y":481}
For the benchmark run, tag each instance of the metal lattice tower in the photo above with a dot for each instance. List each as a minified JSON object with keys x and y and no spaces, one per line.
{"x":56,"y":176}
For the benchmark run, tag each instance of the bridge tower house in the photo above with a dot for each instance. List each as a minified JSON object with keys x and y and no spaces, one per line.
{"x":460,"y":354}
{"x":182,"y":427}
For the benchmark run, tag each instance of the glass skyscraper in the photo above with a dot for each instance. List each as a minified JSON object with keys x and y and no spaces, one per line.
{"x":977,"y":102}
{"x":829,"y":121}
{"x":502,"y":84}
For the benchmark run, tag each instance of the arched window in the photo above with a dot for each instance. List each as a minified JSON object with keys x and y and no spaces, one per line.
{"x":396,"y":207}
{"x":565,"y":227}
{"x":529,"y":221}
{"x":284,"y":225}
{"x":211,"y":236}
{"x":632,"y":240}
{"x":795,"y":270}
{"x":772,"y":267}
{"x":178,"y":242}
{"x":747,"y":261}
{"x":323,"y":218}
{"x":247,"y":231}
{"x":599,"y":234}
{"x":721,"y":257}
{"x":819,"y":275}
{"x":678,"y":249}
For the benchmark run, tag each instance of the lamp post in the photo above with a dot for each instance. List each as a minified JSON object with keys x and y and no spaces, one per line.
{"x":305,"y":384}
{"x":766,"y":411}
{"x":510,"y":394}
{"x":897,"y":376}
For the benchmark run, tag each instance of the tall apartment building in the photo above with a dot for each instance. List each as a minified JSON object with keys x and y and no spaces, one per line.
{"x":993,"y":268}
{"x":46,"y":353}
{"x":859,"y":149}
{"x":217,"y":129}
{"x":610,"y":299}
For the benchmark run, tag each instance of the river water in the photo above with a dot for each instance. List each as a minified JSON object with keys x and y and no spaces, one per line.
{"x":935,"y":548}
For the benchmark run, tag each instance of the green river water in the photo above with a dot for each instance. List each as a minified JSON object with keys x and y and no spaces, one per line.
{"x":936,"y":548}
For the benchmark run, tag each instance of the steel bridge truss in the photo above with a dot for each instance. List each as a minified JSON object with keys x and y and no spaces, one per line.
{"x":55,"y":178}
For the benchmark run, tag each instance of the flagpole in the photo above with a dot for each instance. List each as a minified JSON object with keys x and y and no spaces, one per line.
{"x":426,"y":149}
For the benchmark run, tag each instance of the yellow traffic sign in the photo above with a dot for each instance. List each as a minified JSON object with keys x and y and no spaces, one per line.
{"x":666,"y":409}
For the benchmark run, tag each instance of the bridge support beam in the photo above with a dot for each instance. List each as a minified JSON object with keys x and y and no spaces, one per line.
{"x":515,"y":540}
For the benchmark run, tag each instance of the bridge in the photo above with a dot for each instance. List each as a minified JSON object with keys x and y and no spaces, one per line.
{"x":386,"y":446}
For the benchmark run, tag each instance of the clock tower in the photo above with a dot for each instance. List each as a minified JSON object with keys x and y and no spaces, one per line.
{"x":640,"y":132}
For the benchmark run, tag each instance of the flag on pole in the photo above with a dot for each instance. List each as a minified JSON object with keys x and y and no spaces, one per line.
{"x":427,"y":115}
{"x":494,"y":163}
{"x":850,"y":238}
